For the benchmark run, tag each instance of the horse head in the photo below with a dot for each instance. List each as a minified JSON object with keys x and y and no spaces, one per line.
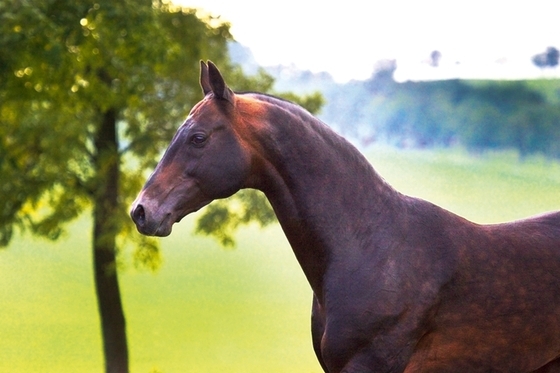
{"x":205,"y":160}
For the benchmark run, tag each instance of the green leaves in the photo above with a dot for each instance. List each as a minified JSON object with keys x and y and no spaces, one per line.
{"x":65,"y":66}
{"x":222,"y":218}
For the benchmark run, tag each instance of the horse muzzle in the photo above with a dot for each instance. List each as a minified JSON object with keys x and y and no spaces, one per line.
{"x":149,"y":223}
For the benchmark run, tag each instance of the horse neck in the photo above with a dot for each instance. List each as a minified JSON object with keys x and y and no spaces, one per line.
{"x":325,"y":193}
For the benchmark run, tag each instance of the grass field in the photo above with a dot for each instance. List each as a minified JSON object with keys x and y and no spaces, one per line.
{"x":214,"y":310}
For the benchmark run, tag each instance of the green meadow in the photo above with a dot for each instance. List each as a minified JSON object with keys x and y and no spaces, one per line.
{"x":209,"y":309}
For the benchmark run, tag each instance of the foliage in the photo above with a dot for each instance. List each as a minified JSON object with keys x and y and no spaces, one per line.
{"x":71,"y":62}
{"x":84,"y":92}
{"x":480,"y":115}
{"x":222,"y":218}
{"x":547,"y":59}
{"x":90,"y":94}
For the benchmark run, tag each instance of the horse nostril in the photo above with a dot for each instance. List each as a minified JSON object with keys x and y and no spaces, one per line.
{"x":139,"y":215}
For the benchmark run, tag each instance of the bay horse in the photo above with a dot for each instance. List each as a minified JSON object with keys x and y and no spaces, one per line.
{"x":399,"y":284}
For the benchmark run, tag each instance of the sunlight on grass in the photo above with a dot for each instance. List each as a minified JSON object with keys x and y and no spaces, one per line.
{"x":211,"y":310}
{"x":488,"y":188}
{"x":214,"y":310}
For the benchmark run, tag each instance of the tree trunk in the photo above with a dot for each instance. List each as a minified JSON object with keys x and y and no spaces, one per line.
{"x":105,"y":229}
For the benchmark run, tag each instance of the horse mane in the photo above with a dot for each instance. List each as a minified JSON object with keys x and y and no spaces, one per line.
{"x":335,"y":141}
{"x":285,"y":104}
{"x":264,"y":95}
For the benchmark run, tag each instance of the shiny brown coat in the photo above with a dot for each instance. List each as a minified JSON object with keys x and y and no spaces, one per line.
{"x":400,"y":285}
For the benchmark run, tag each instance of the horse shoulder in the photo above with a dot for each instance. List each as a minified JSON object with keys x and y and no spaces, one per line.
{"x":389,"y":288}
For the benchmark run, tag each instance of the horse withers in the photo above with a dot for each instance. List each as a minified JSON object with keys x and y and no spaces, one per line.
{"x":399,"y":284}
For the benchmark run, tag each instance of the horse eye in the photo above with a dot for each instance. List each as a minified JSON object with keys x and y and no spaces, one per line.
{"x":198,"y":139}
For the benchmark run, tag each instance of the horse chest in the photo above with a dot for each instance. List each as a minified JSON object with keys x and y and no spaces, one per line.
{"x":372,"y":316}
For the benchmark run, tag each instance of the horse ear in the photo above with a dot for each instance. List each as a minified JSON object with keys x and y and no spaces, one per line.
{"x":218,"y":84}
{"x":204,"y":80}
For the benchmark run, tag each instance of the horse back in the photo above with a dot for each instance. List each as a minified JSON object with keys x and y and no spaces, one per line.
{"x":501,"y":306}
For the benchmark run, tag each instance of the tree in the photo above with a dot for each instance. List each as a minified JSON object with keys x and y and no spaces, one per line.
{"x":435,"y":57}
{"x":549,"y":58}
{"x":90,"y":94}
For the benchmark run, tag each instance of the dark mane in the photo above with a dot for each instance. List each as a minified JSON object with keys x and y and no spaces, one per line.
{"x":290,"y":106}
{"x":263,"y":95}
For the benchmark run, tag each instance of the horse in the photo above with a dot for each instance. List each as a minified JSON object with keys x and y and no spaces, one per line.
{"x":399,"y":284}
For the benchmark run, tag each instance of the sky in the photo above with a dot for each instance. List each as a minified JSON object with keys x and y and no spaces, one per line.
{"x":492,"y":39}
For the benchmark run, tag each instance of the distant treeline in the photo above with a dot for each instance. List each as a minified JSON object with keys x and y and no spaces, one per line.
{"x":476,"y":114}
{"x":479,"y":115}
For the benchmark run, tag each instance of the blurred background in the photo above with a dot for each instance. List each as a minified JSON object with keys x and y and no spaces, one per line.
{"x":454,"y":102}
